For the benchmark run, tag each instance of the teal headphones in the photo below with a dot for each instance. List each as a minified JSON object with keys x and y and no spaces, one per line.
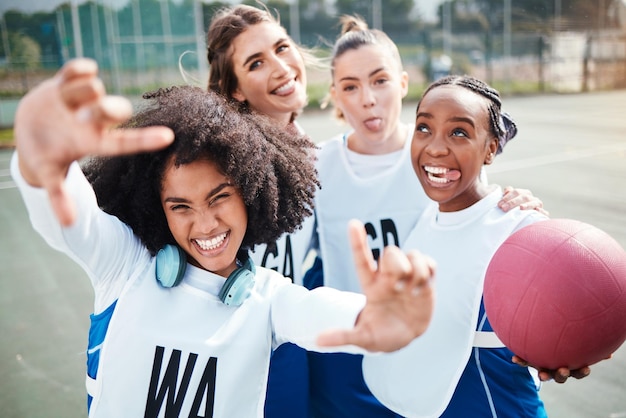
{"x":171,"y":263}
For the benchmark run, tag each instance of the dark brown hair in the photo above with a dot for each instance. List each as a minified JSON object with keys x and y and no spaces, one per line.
{"x":226,"y":25}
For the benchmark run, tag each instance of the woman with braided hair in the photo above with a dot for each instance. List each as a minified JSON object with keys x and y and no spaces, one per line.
{"x":459,"y":368}
{"x":184,"y":323}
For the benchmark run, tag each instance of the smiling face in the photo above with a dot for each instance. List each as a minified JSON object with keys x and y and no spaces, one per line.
{"x":270,"y":71}
{"x":451,"y":143}
{"x":205,"y":213}
{"x":368,"y":88}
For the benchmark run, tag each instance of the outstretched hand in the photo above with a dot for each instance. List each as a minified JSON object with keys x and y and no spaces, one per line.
{"x":400,"y":297}
{"x":67,"y":118}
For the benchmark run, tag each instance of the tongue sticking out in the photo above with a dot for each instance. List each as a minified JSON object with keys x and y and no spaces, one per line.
{"x":373,"y":124}
{"x":453,"y":175}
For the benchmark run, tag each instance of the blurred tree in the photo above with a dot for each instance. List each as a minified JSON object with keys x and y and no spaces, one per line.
{"x":39,"y":28}
{"x":25,"y":52}
{"x":362,"y":8}
{"x":397,"y":15}
{"x":210,"y":8}
{"x":522,"y":11}
{"x":466,"y":16}
{"x":590,"y":14}
{"x":540,"y":14}
{"x":143,"y":22}
{"x":318,"y":24}
{"x":488,"y":15}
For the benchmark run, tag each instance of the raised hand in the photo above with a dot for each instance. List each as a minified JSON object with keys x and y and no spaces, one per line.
{"x":69,"y":117}
{"x":400,"y":297}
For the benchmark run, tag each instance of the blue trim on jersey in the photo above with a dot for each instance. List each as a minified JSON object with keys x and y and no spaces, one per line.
{"x":288,"y":383}
{"x":493,"y":386}
{"x":314,"y":276}
{"x":339,"y":390}
{"x":288,"y":379}
{"x":510,"y":391}
{"x":336,"y":383}
{"x":97,"y":332}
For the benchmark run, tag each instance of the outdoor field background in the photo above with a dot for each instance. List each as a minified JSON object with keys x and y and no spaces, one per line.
{"x":570,"y":151}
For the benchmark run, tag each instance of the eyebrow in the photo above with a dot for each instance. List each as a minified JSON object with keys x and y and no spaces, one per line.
{"x":258,"y":54}
{"x":213,"y":192}
{"x":377,"y":70}
{"x":453,"y":119}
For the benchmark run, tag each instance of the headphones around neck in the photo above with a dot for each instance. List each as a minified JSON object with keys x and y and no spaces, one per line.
{"x":171,"y":263}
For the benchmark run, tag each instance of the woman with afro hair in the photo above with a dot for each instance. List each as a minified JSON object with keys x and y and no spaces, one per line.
{"x":184,"y":323}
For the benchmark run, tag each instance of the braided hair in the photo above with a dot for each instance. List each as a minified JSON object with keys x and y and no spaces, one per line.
{"x":502,"y":126}
{"x":273,"y":170}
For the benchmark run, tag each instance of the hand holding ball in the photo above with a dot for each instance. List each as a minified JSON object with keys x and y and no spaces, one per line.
{"x":555,"y":294}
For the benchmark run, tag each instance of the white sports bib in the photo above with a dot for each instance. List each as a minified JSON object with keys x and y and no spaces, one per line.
{"x":419,"y":380}
{"x":289,"y":254}
{"x":388,"y":204}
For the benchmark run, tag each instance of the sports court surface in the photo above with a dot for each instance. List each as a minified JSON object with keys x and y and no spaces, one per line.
{"x":570,"y":151}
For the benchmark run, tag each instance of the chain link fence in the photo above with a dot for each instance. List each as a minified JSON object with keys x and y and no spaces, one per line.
{"x":145,"y":45}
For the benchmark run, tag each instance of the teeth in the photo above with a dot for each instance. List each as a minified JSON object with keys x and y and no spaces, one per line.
{"x":285,"y":87}
{"x":434,"y":179}
{"x":436,"y":170}
{"x":209,"y":244}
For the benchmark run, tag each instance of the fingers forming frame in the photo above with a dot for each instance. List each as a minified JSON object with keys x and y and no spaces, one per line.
{"x":77,"y":122}
{"x":79,"y":84}
{"x":83,"y":92}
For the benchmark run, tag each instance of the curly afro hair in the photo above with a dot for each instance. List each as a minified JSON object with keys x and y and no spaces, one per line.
{"x":274,"y":169}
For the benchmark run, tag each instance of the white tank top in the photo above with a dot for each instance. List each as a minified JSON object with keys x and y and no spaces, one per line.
{"x":388,"y":203}
{"x":419,"y":380}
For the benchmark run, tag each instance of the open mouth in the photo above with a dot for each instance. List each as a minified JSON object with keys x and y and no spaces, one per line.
{"x":441,"y":175}
{"x":373,"y":124}
{"x":286,"y":88}
{"x":213,"y":243}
